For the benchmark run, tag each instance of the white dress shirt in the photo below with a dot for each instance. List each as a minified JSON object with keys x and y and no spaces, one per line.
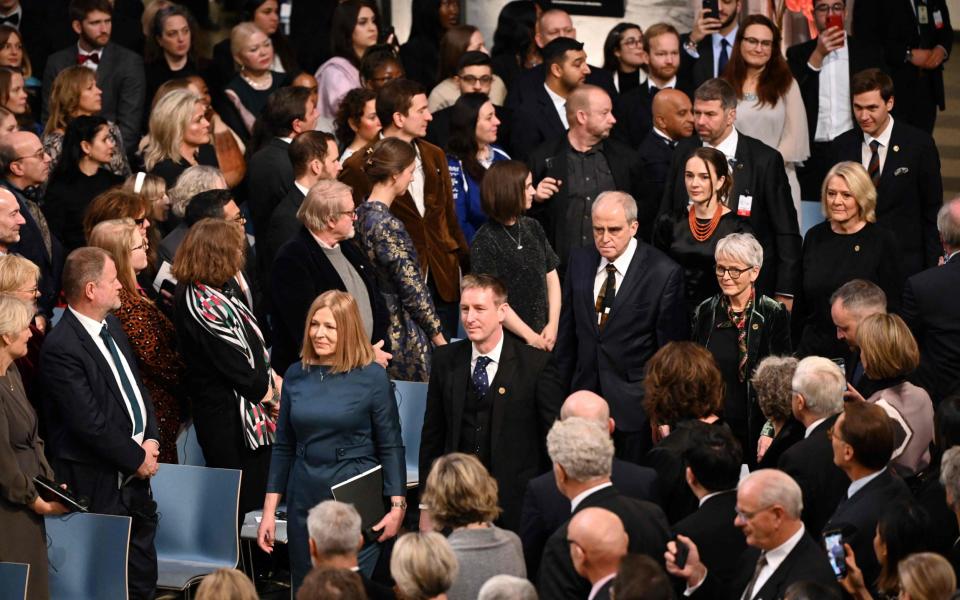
{"x":834,"y":115}
{"x":729,"y":145}
{"x":417,"y":183}
{"x":303,"y":189}
{"x":599,"y":584}
{"x":884,"y":139}
{"x":859,"y":484}
{"x":559,"y":103}
{"x":89,"y":63}
{"x":493,"y":355}
{"x":583,"y":495}
{"x":18,"y":11}
{"x":813,"y":426}
{"x":774,"y":559}
{"x":622,"y":263}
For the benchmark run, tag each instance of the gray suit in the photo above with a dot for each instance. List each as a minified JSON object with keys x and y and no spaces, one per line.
{"x":120,"y":77}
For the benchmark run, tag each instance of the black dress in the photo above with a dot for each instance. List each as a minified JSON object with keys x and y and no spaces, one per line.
{"x":832,"y":259}
{"x":66,"y":202}
{"x":170,"y":170}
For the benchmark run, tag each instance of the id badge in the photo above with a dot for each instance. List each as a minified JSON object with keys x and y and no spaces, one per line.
{"x":745,"y":205}
{"x":937,"y":19}
{"x":922,"y":17}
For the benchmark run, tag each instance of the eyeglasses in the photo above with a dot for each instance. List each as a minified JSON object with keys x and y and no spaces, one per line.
{"x":473,"y":79}
{"x":352,"y":213}
{"x":34,"y":291}
{"x":37,"y":155}
{"x":754,"y":42}
{"x":828,"y":8}
{"x":748,"y":515}
{"x":631,"y":42}
{"x":734,"y":273}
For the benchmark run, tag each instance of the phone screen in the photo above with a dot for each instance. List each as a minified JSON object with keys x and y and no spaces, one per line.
{"x":833,"y":540}
{"x":835,"y":20}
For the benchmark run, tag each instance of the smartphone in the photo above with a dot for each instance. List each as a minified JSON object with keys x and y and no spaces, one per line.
{"x":835,"y":20}
{"x":712,"y":7}
{"x":833,"y":541}
{"x":683,"y":551}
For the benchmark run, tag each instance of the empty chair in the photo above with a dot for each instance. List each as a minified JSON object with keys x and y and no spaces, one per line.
{"x":412,"y":404}
{"x":188,"y":447}
{"x":13,"y":580}
{"x":88,"y":556}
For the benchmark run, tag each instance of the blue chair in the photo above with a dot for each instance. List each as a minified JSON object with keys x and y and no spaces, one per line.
{"x":412,"y":404}
{"x":197,"y":533}
{"x":811,"y":213}
{"x":13,"y":580}
{"x":188,"y":447}
{"x":88,"y":556}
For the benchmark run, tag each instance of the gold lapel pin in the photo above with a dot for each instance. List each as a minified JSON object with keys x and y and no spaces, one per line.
{"x":856,"y":248}
{"x":896,"y":148}
{"x":755,"y":327}
{"x":502,"y":391}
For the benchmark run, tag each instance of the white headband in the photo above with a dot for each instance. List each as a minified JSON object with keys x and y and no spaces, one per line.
{"x":138,"y":184}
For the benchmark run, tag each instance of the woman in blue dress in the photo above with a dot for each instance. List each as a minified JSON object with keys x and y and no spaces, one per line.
{"x":414,"y":323}
{"x":338,"y":418}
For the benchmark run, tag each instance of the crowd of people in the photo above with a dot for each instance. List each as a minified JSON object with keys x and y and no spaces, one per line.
{"x":642,"y":381}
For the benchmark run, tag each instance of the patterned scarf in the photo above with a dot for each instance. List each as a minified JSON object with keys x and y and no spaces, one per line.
{"x":738,"y":321}
{"x":224,"y":316}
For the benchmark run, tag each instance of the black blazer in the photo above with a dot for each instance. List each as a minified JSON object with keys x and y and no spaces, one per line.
{"x":634,"y":112}
{"x":792,"y":433}
{"x":526,"y":400}
{"x":88,"y":427}
{"x":759,"y":172}
{"x":545,"y":508}
{"x":655,"y":154}
{"x":646,"y":526}
{"x":301,"y":272}
{"x":909,"y":194}
{"x":540,"y":122}
{"x":824,"y":485}
{"x":934,"y":319}
{"x":648,"y":312}
{"x":863,"y":55}
{"x":283,"y":224}
{"x":269,"y":178}
{"x":720,"y":543}
{"x":698,"y":70}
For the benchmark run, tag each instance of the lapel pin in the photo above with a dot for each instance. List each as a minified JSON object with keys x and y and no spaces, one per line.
{"x":896,"y":148}
{"x":502,"y":391}
{"x":856,"y":248}
{"x":755,"y":327}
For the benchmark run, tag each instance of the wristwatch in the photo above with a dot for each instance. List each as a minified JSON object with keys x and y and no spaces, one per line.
{"x":691,"y":45}
{"x":909,"y":56}
{"x":402,"y":505}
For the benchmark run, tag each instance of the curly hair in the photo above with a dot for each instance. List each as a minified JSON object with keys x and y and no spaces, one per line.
{"x":773,"y":382}
{"x":682,"y":382}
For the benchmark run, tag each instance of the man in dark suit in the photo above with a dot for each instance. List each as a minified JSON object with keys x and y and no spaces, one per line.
{"x":573,"y":168}
{"x":314,"y":157}
{"x":713,"y":469}
{"x":622,"y":301}
{"x":863,"y":442}
{"x":823,"y":68}
{"x":904,"y":164}
{"x":101,"y":431}
{"x":853,"y":302}
{"x":491,"y":396}
{"x":545,"y":508}
{"x":598,"y":543}
{"x":119,"y":72}
{"x":782,"y":551}
{"x":934,"y":316}
{"x":818,"y":387}
{"x":322,"y":257}
{"x":760,"y":193}
{"x":582,"y":454}
{"x":708,"y":48}
{"x":672,"y":122}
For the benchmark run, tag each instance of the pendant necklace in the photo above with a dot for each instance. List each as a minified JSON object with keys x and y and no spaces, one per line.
{"x":519,"y":235}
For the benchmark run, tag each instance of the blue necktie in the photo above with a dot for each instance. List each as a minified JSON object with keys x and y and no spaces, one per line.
{"x":480,"y":382}
{"x":724,"y":57}
{"x":124,"y":380}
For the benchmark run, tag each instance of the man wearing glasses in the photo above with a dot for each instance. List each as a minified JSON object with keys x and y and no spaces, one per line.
{"x":823,"y":68}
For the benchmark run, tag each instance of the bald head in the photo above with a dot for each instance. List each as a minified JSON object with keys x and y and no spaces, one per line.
{"x":587,"y":405}
{"x":599,"y":542}
{"x":10,"y":220}
{"x":552,"y":24}
{"x":673,"y":113}
{"x":581,"y":98}
{"x":22,"y":160}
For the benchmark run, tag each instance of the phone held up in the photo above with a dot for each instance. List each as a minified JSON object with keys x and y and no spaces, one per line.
{"x":833,"y":541}
{"x":712,"y":7}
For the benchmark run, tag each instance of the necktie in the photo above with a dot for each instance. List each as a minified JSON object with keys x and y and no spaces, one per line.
{"x":124,"y":380}
{"x":480,"y":382}
{"x":93,"y":57}
{"x":724,"y":57}
{"x":761,"y":563}
{"x":11,"y":20}
{"x":607,"y":293}
{"x":873,"y":169}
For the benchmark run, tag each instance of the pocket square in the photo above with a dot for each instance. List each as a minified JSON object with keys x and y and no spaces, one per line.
{"x":901,"y":171}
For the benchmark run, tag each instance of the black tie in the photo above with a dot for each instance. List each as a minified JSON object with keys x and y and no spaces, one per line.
{"x":606,"y":296}
{"x":480,"y":382}
{"x":724,"y":57}
{"x":11,"y":20}
{"x":124,"y":380}
{"x":761,"y":563}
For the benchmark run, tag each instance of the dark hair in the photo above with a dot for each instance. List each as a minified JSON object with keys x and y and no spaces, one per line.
{"x":153,"y":50}
{"x":396,"y":97}
{"x":343,"y":23}
{"x":682,"y":382}
{"x":714,"y":456}
{"x":612,"y":43}
{"x":386,"y":158}
{"x":206,"y":205}
{"x":79,"y":9}
{"x":474,"y":58}
{"x":463,"y":133}
{"x":641,"y":578}
{"x":775,"y":79}
{"x":351,"y":109}
{"x":870,"y":80}
{"x":811,"y":590}
{"x":555,"y":52}
{"x":857,"y":294}
{"x":502,"y":191}
{"x":80,"y":129}
{"x":426,"y":24}
{"x":374,"y":58}
{"x":905,"y":529}
{"x":868,"y":430}
{"x":283,"y":107}
{"x":721,"y":168}
{"x":453,"y":44}
{"x":717,"y":89}
{"x":515,"y":28}
{"x":331,"y":584}
{"x":308,"y":146}
{"x":947,"y":423}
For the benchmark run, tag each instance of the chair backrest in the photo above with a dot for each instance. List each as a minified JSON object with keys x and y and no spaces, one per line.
{"x":412,"y":404}
{"x":188,"y":447}
{"x":88,"y":556}
{"x":13,"y":580}
{"x":198,"y":509}
{"x":811,"y":213}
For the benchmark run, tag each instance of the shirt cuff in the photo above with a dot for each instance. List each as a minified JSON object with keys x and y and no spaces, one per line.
{"x":813,"y":68}
{"x":154,"y":441}
{"x":692,"y":53}
{"x":946,"y":54}
{"x":691,"y":589}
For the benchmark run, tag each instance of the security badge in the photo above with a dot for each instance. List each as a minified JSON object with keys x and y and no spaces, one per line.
{"x":922,"y":17}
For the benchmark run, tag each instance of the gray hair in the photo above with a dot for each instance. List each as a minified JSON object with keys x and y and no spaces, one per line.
{"x":15,"y":315}
{"x":334,"y":527}
{"x":861,"y":297}
{"x":196,"y":179}
{"x":950,"y":474}
{"x":948,"y":222}
{"x":717,"y":89}
{"x":772,"y":382}
{"x":507,"y":587}
{"x":625,"y":200}
{"x":822,"y":384}
{"x":776,"y":487}
{"x":322,"y":203}
{"x":741,"y":247}
{"x":582,"y":447}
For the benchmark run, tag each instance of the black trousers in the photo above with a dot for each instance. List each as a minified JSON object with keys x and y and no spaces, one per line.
{"x":814,"y":169}
{"x":447,"y":312}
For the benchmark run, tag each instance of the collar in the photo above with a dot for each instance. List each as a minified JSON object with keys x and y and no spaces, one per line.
{"x":493,"y":355}
{"x":663,"y":135}
{"x":711,"y":495}
{"x":599,"y":584}
{"x":813,"y":426}
{"x":322,"y":243}
{"x":92,"y":327}
{"x":883,"y":138}
{"x":16,"y":11}
{"x":98,"y":51}
{"x":951,"y":255}
{"x":285,"y":139}
{"x":622,"y":262}
{"x":780,"y":553}
{"x":729,"y":145}
{"x":303,"y":189}
{"x":555,"y":97}
{"x":583,"y":495}
{"x":667,"y":86}
{"x":859,"y":484}
{"x":730,"y":37}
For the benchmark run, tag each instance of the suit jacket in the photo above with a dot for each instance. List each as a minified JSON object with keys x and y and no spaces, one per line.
{"x":909,"y":193}
{"x":646,"y":526}
{"x":862,"y":54}
{"x":934,"y":319}
{"x":436,"y":235}
{"x":859,"y":514}
{"x":545,"y":508}
{"x":300,"y":273}
{"x":88,"y":427}
{"x":269,"y":178}
{"x":721,"y":544}
{"x":698,"y":70}
{"x":282,"y":225}
{"x":648,"y":311}
{"x":539,"y":118}
{"x":655,"y":155}
{"x":120,"y":76}
{"x":526,"y":400}
{"x":759,"y":172}
{"x":634,"y":112}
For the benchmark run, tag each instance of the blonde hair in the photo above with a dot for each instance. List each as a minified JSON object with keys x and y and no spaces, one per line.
{"x":322,"y":203}
{"x":65,"y":96}
{"x":353,"y":350}
{"x":460,"y":491}
{"x":927,"y":576}
{"x":118,"y":236}
{"x":859,"y":184}
{"x":15,"y":272}
{"x":152,"y":189}
{"x":423,"y":565}
{"x":168,"y":121}
{"x":887,"y":347}
{"x":15,"y":315}
{"x":226,"y":584}
{"x":239,"y":36}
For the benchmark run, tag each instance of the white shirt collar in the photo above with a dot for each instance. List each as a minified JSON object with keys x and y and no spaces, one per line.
{"x":98,"y":51}
{"x":599,"y":584}
{"x":780,"y":553}
{"x":286,"y":139}
{"x":859,"y":484}
{"x":813,"y":426}
{"x":303,"y":189}
{"x":622,"y":262}
{"x":582,"y":495}
{"x":729,"y":145}
{"x":560,"y":103}
{"x":493,"y":355}
{"x":663,"y":134}
{"x":711,"y":495}
{"x":667,"y":86}
{"x":92,"y":327}
{"x":883,"y":138}
{"x":16,"y":11}
{"x":322,"y":243}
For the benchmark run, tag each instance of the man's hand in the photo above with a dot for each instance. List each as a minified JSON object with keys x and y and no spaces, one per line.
{"x":693,"y":572}
{"x":829,"y":40}
{"x":149,"y":466}
{"x":547,"y":187}
{"x":919,"y":57}
{"x":852,"y":395}
{"x":380,"y":357}
{"x":785,"y":300}
{"x":704,"y":25}
{"x":42,"y":507}
{"x":40,"y":322}
{"x":936,"y":58}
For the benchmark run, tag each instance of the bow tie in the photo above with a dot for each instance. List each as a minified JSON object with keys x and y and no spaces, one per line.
{"x":92,"y":57}
{"x":13,"y":20}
